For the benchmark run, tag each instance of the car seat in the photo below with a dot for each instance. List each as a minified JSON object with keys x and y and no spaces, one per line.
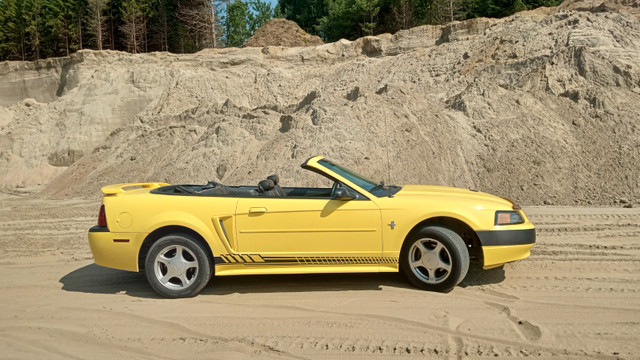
{"x":277,"y":188}
{"x":266,"y":187}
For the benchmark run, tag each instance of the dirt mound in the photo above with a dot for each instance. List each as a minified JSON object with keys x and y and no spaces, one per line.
{"x":282,"y":32}
{"x":551,"y":119}
{"x":631,"y":7}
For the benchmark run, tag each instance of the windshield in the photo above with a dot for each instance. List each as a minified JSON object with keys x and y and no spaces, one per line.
{"x":357,"y":179}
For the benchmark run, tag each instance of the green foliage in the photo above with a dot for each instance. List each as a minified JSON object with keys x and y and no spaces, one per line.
{"x":307,"y":13}
{"x":132,"y":10}
{"x":341,"y":21}
{"x":61,"y":20}
{"x":349,"y":19}
{"x":12,"y":29}
{"x":367,"y":10}
{"x":261,"y":12}
{"x":32,"y":29}
{"x":237,"y":23}
{"x":133,"y":16}
{"x":501,"y":8}
{"x":335,"y":19}
{"x":277,"y":12}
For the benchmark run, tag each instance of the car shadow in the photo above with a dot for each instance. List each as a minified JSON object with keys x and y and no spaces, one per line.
{"x":477,"y":276}
{"x":304,"y":283}
{"x":96,"y":279}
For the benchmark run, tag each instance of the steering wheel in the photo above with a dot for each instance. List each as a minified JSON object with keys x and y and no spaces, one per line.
{"x":185,"y":190}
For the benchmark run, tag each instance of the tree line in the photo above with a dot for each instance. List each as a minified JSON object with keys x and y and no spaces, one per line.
{"x":350,"y":19}
{"x":35,"y":29}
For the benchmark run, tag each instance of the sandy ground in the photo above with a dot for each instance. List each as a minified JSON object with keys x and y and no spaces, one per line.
{"x":575,"y":297}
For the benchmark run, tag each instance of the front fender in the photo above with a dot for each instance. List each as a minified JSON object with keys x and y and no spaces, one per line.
{"x":408,"y":221}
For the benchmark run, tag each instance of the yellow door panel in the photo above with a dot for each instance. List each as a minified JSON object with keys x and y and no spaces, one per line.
{"x":289,"y":226}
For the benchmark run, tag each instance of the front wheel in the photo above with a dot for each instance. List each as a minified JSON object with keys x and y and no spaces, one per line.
{"x":434,"y":258}
{"x":177,"y":266}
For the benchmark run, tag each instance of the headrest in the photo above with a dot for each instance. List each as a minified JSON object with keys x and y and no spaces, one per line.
{"x":212,"y":184}
{"x":275,"y":178}
{"x":266,"y":185}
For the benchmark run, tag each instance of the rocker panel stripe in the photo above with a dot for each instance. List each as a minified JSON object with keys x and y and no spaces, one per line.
{"x":256,"y":259}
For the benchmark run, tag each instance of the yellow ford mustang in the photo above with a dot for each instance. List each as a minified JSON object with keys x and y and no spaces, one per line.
{"x":180,"y":235}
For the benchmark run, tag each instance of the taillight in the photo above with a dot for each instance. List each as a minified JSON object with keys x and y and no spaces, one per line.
{"x":102,"y":218}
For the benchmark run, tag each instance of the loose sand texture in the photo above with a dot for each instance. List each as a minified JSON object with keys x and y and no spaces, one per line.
{"x":577,"y":297}
{"x":282,"y":32}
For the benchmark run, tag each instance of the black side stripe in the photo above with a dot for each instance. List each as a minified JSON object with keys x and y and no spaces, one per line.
{"x":255,"y":259}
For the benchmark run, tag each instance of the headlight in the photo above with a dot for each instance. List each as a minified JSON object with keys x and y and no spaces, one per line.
{"x":508,"y":218}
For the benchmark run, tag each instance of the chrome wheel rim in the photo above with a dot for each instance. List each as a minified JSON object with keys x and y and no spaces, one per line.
{"x":176,"y":267}
{"x":430,"y":261}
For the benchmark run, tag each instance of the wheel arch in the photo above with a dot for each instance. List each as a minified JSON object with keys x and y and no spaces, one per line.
{"x":458,"y":226}
{"x":158,"y":233}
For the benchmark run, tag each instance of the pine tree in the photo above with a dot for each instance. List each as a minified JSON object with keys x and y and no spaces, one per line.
{"x":132,"y":28}
{"x":12,"y":30}
{"x":161,"y":22}
{"x":200,"y":19}
{"x":367,"y":10}
{"x":98,"y":20}
{"x":403,"y":11}
{"x":261,"y":12}
{"x":306,"y":13}
{"x":61,"y":21}
{"x":34,"y":24}
{"x":236,"y":23}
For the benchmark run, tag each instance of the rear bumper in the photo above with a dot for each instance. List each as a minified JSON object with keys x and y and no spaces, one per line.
{"x":502,"y":246}
{"x":114,"y":250}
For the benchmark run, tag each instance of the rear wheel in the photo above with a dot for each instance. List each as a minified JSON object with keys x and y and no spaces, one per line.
{"x":434,"y":258}
{"x":177,"y":266}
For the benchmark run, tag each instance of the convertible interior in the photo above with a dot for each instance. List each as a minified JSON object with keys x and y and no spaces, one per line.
{"x":268,"y":187}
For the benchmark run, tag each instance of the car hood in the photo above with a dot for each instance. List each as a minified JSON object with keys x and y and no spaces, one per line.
{"x":434,"y":191}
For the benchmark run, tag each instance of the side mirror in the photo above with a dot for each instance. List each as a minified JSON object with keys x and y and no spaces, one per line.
{"x":342,"y":194}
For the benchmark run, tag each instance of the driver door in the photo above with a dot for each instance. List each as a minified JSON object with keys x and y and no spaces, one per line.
{"x":287,"y":227}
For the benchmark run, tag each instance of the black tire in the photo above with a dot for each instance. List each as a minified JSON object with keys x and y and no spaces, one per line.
{"x":431,"y":267}
{"x":180,"y":255}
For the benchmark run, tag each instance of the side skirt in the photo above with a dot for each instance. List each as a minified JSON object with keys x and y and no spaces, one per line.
{"x":253,"y":264}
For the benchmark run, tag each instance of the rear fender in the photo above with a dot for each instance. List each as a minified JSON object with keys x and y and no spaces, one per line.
{"x":187,"y":220}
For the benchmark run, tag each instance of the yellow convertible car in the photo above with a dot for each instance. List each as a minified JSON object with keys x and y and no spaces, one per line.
{"x":181,"y":235}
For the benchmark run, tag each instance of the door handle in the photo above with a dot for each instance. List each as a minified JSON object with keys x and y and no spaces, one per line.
{"x":257,"y":210}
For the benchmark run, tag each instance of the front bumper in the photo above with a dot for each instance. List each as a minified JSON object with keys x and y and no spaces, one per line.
{"x":114,"y":250}
{"x":502,"y":246}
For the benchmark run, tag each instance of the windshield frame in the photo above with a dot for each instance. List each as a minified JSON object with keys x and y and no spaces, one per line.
{"x":361,"y":181}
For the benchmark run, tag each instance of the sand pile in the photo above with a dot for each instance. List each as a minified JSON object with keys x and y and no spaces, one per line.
{"x":282,"y":32}
{"x":631,"y":7}
{"x":540,"y":107}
